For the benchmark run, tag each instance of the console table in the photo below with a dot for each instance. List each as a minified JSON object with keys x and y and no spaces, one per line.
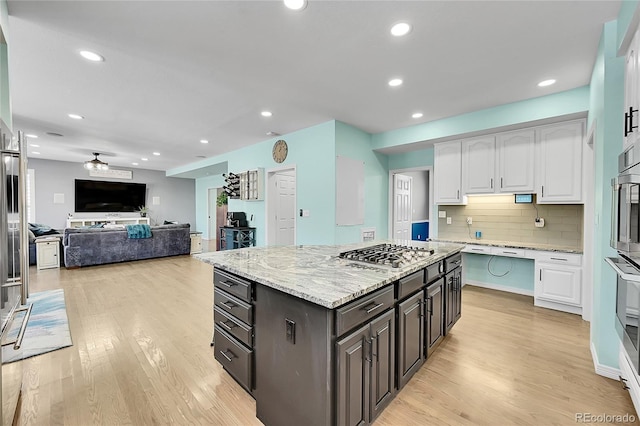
{"x":76,"y":223}
{"x":233,"y":238}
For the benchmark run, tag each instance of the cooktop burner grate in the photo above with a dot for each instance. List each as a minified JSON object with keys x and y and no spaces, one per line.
{"x":394,"y":255}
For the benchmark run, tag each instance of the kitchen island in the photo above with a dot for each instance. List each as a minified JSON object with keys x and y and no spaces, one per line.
{"x":319,"y":339}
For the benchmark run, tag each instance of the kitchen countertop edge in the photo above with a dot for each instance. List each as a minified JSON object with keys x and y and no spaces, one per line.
{"x":510,"y":244}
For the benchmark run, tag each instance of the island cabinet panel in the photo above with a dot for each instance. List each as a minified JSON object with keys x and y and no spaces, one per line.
{"x":294,"y":364}
{"x":365,"y":371}
{"x":410,"y":337}
{"x":434,"y":316}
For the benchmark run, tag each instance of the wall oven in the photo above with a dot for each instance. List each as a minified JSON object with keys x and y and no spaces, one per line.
{"x":625,"y":238}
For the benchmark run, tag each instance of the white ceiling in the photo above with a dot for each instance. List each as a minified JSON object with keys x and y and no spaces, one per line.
{"x":180,"y":71}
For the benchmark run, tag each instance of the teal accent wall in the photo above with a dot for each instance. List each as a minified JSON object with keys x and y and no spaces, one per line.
{"x":568,"y":102}
{"x":312,"y":152}
{"x":356,"y":144}
{"x":606,"y":110}
{"x":625,"y":15}
{"x":521,"y":272}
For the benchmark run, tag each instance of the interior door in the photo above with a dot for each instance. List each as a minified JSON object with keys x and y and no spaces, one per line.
{"x":211,"y":212}
{"x":285,"y":208}
{"x":402,"y":207}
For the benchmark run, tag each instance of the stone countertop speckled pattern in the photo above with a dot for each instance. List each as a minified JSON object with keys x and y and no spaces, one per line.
{"x":316,"y":273}
{"x":512,"y":244}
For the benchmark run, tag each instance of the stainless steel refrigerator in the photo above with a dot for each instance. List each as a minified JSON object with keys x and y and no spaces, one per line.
{"x":14,"y":264}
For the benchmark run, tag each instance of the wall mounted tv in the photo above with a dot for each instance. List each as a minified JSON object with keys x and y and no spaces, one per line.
{"x":99,"y":196}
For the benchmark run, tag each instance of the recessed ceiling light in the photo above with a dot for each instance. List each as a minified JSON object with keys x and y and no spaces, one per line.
{"x":266,"y":113}
{"x":395,"y":82}
{"x":400,"y":29}
{"x":134,"y":164}
{"x":36,"y":152}
{"x":91,"y":56}
{"x":546,"y":83}
{"x":417,"y":115}
{"x":32,"y":136}
{"x":295,"y":4}
{"x":34,"y":145}
{"x":76,"y":116}
{"x":144,"y":159}
{"x":156,"y":153}
{"x":204,"y":141}
{"x":59,"y":135}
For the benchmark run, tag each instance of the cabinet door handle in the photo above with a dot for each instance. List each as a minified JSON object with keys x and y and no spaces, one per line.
{"x":229,"y":305}
{"x":623,"y":382}
{"x":509,"y":252}
{"x":542,"y":190}
{"x":431,"y":307}
{"x":373,"y":353}
{"x":560,"y":258}
{"x":500,"y":182}
{"x":224,"y":354}
{"x":367,"y":355}
{"x":421,"y":308}
{"x":227,"y":326}
{"x":540,"y":275}
{"x":491,"y":183}
{"x":228,"y":284}
{"x":369,"y":309}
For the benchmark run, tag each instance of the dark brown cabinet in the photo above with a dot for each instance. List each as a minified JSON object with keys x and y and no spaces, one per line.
{"x":453,"y":283}
{"x":410,"y":337}
{"x":365,"y":371}
{"x":434,"y":315}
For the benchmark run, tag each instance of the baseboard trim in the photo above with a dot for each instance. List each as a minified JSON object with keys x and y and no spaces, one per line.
{"x":603,"y":370}
{"x":498,"y":287}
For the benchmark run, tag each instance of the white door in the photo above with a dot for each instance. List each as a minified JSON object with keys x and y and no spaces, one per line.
{"x":402,"y":207}
{"x":211,"y":213}
{"x":285,"y":208}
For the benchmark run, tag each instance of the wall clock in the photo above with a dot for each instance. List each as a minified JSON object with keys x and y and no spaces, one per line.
{"x":280,"y":151}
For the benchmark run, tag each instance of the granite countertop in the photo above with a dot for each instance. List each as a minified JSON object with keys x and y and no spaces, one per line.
{"x":512,"y":244}
{"x":315,"y":273}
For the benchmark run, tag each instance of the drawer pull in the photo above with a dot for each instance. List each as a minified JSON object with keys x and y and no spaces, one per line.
{"x":509,"y":252}
{"x":369,"y":309}
{"x":229,"y":305}
{"x":560,"y":258}
{"x":224,"y":354}
{"x":228,"y":284}
{"x":226,"y":326}
{"x":477,"y":249}
{"x":623,"y":383}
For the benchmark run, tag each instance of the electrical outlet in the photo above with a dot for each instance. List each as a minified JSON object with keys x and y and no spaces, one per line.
{"x":442,"y":214}
{"x":469,"y":220}
{"x":448,"y":221}
{"x":539,"y":222}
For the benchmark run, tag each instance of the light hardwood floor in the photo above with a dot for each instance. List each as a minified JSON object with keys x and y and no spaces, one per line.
{"x":141,"y":355}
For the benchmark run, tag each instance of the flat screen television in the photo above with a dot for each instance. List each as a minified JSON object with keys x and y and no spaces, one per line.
{"x":94,"y":196}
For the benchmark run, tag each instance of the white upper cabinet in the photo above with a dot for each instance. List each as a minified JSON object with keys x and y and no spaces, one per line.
{"x":478,"y":165}
{"x":631,"y":95}
{"x":516,"y":152}
{"x":559,"y":163}
{"x":447,"y":173}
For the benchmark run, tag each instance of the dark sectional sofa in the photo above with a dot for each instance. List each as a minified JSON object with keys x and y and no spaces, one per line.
{"x":96,"y":246}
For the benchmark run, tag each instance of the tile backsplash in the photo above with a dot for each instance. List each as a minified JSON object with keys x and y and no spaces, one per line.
{"x":500,"y":219}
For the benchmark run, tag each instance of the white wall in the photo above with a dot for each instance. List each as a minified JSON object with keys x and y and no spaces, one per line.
{"x":177,"y":195}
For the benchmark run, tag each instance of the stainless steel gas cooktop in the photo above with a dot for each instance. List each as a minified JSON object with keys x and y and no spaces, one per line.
{"x":394,"y":255}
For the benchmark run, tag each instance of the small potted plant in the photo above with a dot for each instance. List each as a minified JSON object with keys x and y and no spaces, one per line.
{"x":222,"y":199}
{"x":143,"y":210}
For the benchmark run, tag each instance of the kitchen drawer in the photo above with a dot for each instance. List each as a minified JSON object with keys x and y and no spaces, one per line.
{"x":452,"y":262}
{"x":472,"y":248}
{"x":433,"y":272}
{"x":508,"y":252}
{"x":232,"y":284}
{"x":233,"y":326}
{"x":363,"y":309}
{"x":236,"y":307}
{"x":235,"y":358}
{"x":410,"y":284}
{"x":559,"y":258}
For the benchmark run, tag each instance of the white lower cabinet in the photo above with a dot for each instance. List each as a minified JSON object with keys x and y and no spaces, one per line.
{"x":558,"y":282}
{"x":48,"y":253}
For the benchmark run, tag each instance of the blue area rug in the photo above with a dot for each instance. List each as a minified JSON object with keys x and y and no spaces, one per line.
{"x":47,"y":330}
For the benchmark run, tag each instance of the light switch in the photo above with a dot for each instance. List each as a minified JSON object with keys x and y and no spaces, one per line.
{"x":448,"y":221}
{"x":306,"y":213}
